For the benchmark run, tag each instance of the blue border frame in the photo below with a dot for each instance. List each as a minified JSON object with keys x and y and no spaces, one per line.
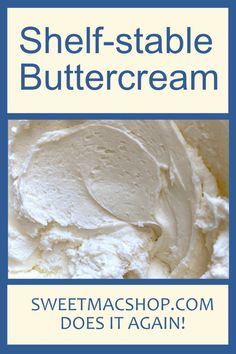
{"x":4,"y":117}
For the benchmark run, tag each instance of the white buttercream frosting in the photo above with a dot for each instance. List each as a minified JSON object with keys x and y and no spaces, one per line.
{"x":117,"y":199}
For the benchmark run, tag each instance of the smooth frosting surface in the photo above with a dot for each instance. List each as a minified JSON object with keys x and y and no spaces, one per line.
{"x":117,"y":199}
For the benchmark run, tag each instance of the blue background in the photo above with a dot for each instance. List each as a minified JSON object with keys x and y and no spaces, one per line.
{"x":4,"y":117}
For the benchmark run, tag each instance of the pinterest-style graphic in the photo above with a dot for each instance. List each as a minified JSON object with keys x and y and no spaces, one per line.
{"x":117,"y":141}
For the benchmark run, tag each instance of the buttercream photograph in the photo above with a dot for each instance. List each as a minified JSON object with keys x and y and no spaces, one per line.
{"x":118,"y":199}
